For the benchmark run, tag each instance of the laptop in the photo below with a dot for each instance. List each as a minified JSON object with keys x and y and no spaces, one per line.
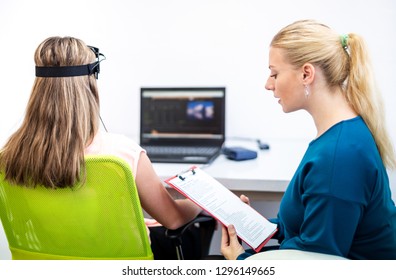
{"x":182,"y":125}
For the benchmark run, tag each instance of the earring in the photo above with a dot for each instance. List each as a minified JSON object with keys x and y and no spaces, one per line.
{"x":306,"y":91}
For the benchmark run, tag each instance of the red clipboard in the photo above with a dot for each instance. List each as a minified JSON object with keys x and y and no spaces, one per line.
{"x":227,"y":208}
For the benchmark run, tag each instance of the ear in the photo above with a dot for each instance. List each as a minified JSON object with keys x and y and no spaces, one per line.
{"x":308,"y":73}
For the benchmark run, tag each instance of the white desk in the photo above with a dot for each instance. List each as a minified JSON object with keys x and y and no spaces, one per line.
{"x":265,"y":177}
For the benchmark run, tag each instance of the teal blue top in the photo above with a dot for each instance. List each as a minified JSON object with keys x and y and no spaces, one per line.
{"x":339,"y":201}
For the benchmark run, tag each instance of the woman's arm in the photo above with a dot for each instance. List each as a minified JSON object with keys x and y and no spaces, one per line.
{"x":156,"y":200}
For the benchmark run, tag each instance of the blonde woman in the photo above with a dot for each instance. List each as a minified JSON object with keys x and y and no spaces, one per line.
{"x":61,"y":125}
{"x":339,"y":200}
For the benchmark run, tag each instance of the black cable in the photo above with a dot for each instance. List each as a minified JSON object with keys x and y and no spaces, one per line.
{"x":261,"y":145}
{"x":103,"y":123}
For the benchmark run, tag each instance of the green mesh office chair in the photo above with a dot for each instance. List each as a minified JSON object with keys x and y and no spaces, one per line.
{"x":100,"y":219}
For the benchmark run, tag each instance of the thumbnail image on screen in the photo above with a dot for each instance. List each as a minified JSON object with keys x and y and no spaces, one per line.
{"x":200,"y":110}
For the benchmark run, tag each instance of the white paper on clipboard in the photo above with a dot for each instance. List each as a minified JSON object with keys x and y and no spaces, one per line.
{"x":223,"y":205}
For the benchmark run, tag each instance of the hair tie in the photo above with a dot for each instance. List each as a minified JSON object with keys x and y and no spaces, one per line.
{"x":344,"y":42}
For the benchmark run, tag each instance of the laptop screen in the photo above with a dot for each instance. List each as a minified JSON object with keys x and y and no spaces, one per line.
{"x":182,"y":116}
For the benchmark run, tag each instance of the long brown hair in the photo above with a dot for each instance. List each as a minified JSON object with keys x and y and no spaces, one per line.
{"x":61,"y":119}
{"x":346,"y":64}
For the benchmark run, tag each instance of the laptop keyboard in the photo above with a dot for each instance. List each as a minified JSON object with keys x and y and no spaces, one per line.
{"x":180,"y":150}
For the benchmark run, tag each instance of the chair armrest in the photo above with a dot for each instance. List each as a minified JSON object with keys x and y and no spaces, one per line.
{"x":177,"y":233}
{"x":202,"y":236}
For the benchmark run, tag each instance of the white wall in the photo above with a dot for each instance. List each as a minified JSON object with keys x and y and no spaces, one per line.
{"x":186,"y":43}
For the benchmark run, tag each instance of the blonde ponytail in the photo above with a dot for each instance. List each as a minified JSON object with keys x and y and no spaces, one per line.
{"x":365,"y":98}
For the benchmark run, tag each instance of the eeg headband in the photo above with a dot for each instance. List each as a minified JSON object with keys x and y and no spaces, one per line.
{"x":72,"y":71}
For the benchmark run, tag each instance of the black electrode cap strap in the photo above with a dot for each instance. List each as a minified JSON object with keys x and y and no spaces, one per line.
{"x":66,"y":71}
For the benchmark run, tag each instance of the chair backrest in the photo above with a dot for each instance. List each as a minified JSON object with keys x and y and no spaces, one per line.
{"x":99,"y":219}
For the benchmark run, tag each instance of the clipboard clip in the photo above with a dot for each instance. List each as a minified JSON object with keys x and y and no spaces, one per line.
{"x":184,"y":177}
